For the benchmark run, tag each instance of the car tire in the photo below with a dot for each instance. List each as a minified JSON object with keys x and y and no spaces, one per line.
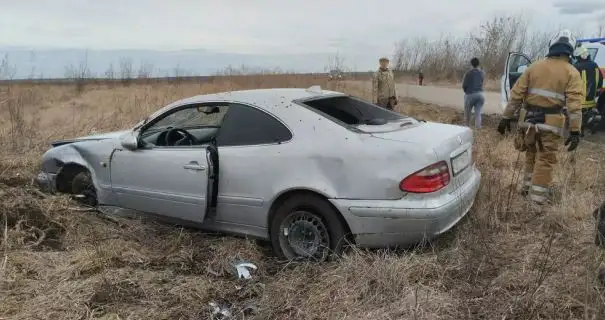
{"x":83,"y":189}
{"x":309,"y":216}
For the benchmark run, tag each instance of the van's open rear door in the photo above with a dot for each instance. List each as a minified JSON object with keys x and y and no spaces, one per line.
{"x":515,"y":64}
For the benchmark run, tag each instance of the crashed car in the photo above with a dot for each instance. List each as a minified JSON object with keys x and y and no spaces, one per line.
{"x":307,"y":169}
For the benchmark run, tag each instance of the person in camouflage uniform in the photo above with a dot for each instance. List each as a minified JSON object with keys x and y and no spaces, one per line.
{"x":383,"y":86}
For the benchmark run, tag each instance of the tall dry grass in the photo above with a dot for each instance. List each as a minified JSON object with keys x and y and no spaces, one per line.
{"x":504,"y":261}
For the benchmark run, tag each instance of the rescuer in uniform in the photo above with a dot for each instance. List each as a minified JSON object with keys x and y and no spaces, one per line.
{"x":548,"y":97}
{"x":383,"y":86}
{"x":593,"y":80}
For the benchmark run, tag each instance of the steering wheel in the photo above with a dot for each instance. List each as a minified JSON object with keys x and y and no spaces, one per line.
{"x":186,"y":138}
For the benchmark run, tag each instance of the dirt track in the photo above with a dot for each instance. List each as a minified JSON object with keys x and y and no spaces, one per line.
{"x":446,"y":96}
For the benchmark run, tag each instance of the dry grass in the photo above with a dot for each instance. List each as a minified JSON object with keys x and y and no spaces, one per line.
{"x":504,"y":261}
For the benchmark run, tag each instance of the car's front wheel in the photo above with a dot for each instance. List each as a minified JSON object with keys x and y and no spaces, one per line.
{"x":306,"y":227}
{"x":83,"y":189}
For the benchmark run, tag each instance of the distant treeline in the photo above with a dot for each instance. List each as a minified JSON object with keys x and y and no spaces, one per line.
{"x":92,"y":81}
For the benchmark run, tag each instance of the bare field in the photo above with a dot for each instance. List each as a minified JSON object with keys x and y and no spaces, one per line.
{"x":504,"y":261}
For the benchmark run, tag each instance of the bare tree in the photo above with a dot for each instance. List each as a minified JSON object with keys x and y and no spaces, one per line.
{"x":126,"y":72}
{"x":32,"y":60}
{"x":110,"y":72}
{"x":336,"y":62}
{"x":601,"y":27}
{"x":145,"y":70}
{"x":7,"y":71}
{"x":448,"y":56}
{"x":79,"y":73}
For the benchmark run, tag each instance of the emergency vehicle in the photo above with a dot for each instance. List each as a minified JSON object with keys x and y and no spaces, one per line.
{"x":517,"y":62}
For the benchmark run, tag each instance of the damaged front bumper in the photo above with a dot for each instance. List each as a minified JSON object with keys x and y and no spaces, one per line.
{"x":47,"y":182}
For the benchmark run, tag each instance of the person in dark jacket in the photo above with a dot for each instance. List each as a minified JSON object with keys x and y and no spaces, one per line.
{"x":472,"y":84}
{"x":593,"y":80}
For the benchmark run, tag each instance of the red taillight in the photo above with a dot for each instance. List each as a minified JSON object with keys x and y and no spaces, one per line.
{"x":429,"y":179}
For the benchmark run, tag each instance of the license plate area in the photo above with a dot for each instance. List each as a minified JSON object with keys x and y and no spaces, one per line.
{"x":460,"y":162}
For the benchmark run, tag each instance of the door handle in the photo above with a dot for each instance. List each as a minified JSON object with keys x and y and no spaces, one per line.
{"x":194,"y":166}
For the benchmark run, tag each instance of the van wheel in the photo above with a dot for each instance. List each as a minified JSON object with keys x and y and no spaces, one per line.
{"x":306,"y":227}
{"x":83,"y":189}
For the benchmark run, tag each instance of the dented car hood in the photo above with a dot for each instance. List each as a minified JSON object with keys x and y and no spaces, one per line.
{"x":96,"y":137}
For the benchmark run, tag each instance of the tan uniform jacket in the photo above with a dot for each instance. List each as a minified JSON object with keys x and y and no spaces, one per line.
{"x":549,"y":83}
{"x":383,"y":85}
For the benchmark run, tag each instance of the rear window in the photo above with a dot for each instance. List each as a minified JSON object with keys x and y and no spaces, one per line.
{"x":349,"y":111}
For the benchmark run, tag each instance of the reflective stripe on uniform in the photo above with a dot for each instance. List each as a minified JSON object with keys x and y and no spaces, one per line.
{"x":544,"y":127}
{"x":546,"y":93}
{"x":539,"y":189}
{"x":590,"y":103}
{"x":538,"y":194}
{"x":537,"y":198}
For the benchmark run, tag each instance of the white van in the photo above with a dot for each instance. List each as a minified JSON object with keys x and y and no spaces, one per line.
{"x":517,"y":62}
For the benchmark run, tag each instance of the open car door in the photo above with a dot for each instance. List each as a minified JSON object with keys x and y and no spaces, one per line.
{"x":515,"y":65}
{"x":172,"y":182}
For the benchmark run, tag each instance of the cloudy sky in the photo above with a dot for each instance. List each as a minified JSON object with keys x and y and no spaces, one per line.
{"x":266,"y":27}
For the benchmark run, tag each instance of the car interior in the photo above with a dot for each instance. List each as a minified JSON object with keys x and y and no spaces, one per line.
{"x":517,"y":66}
{"x":196,"y":126}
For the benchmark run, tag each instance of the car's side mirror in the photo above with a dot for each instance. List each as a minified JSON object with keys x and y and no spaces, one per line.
{"x":130,"y":140}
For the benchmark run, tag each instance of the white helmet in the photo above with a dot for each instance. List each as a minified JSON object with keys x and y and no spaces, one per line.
{"x":582,"y":52}
{"x":562,"y":43}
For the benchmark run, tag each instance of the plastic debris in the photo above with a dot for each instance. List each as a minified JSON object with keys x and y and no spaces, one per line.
{"x":219,"y":312}
{"x":243,"y":270}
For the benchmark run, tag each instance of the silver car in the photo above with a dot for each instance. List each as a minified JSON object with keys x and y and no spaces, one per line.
{"x":308,"y":169}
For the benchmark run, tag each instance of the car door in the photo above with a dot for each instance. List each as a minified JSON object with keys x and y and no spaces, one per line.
{"x":173,"y":181}
{"x":253,"y":151}
{"x":515,"y":65}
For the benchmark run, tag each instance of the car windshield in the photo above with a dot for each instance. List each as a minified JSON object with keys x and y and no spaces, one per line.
{"x":351,"y":112}
{"x":196,"y":117}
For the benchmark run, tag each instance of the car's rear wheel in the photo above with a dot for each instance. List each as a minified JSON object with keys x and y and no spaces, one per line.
{"x":83,"y":189}
{"x":306,"y":227}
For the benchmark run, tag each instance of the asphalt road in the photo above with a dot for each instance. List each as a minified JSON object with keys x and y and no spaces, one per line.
{"x":449,"y":97}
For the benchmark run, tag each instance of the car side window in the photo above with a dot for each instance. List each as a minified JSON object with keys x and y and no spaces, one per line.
{"x":192,"y":116}
{"x":245,"y":125}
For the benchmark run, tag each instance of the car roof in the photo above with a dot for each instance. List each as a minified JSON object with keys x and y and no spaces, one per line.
{"x":262,"y":98}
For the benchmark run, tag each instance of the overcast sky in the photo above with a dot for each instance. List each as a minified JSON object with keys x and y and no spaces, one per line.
{"x":262,"y":26}
{"x":266,"y":26}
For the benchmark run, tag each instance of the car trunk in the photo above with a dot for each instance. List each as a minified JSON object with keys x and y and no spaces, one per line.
{"x":450,"y":143}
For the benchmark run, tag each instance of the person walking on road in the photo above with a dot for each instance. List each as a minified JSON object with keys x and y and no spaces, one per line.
{"x":551,"y":93}
{"x":472,"y":84}
{"x":383,"y":86}
{"x":420,"y":77}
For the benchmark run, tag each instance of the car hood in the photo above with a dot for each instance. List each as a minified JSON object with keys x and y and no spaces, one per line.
{"x":96,"y":137}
